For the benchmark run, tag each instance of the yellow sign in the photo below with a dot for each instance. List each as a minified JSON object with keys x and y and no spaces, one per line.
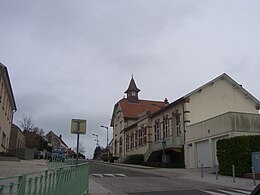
{"x":78,"y":126}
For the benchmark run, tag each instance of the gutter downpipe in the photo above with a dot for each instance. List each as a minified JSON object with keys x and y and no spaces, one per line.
{"x":183,"y":118}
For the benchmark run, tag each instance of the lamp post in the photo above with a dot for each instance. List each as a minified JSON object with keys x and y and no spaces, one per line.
{"x":96,"y":139}
{"x":163,"y":156}
{"x":107,"y":141}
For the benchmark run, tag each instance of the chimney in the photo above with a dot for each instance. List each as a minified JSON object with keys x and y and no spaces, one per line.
{"x":60,"y":137}
{"x":166,"y":102}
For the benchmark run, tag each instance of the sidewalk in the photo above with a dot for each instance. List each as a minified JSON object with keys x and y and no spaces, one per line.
{"x":10,"y":168}
{"x":210,"y":177}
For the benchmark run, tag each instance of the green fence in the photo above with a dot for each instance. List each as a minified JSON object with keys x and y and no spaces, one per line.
{"x":70,"y":179}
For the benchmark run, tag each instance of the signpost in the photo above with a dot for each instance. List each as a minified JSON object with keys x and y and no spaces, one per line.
{"x":78,"y":126}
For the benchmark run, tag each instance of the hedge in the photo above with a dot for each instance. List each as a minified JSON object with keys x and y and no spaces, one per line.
{"x":135,"y":159}
{"x":237,"y":151}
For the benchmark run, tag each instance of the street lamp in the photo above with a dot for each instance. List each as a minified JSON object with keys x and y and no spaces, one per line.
{"x":96,"y":138}
{"x":163,"y":157}
{"x":107,"y":141}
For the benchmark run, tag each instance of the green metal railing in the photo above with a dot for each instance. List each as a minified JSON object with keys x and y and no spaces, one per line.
{"x":66,"y":180}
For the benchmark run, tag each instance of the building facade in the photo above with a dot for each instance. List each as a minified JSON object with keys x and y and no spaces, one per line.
{"x":55,"y":140}
{"x":17,"y":141}
{"x":211,"y":116}
{"x":141,"y":126}
{"x":195,"y":122}
{"x":7,"y":108}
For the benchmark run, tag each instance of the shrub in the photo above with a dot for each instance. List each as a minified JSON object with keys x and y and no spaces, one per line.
{"x":112,"y":158}
{"x":237,"y":151}
{"x":135,"y":159}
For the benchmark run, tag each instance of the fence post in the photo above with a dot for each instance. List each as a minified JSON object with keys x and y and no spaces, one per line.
{"x":2,"y":189}
{"x":253,"y":175}
{"x":29,"y":186}
{"x":234,"y":173}
{"x":201,"y":169}
{"x":21,"y":185}
{"x":217,"y":172}
{"x":35,"y":185}
{"x":11,"y":189}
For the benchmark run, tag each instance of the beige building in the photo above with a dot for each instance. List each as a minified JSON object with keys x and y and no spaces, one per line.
{"x":221,"y":108}
{"x":7,"y":108}
{"x":142,"y":126}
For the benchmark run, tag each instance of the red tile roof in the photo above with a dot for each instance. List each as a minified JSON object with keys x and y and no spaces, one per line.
{"x":132,"y":110}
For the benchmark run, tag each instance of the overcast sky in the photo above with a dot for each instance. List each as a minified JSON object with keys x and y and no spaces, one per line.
{"x":74,"y":59}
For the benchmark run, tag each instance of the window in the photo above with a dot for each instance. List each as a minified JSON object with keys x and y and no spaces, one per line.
{"x":115,"y":150}
{"x":133,"y":93}
{"x":157,"y":130}
{"x":144,"y":130}
{"x":136,"y":138}
{"x":3,"y":140}
{"x":4,"y":99}
{"x":132,"y":141}
{"x":178,"y":122}
{"x":139,"y":136}
{"x":127,"y":141}
{"x":120,"y":145}
{"x":165,"y":127}
{"x":1,"y":92}
{"x":142,"y":135}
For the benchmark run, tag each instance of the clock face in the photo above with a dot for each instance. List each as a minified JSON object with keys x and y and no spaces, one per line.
{"x":133,"y":93}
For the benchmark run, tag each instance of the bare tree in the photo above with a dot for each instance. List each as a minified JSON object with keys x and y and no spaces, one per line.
{"x":82,"y":148}
{"x":38,"y":131}
{"x":27,"y":123}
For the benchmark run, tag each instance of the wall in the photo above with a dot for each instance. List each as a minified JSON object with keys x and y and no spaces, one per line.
{"x":230,"y":121}
{"x":6,"y":115}
{"x":227,"y":125}
{"x":217,"y":98}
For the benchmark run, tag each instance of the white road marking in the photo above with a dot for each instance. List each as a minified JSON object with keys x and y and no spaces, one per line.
{"x":212,"y":193}
{"x":243,"y":191}
{"x":108,"y":175}
{"x":120,"y":175}
{"x":225,"y":192}
{"x":97,"y":175}
{"x":231,"y":193}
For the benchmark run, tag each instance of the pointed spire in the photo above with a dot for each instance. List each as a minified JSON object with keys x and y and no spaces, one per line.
{"x":132,"y":86}
{"x":132,"y":91}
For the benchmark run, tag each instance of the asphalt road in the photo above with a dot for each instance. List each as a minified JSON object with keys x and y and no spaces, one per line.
{"x":134,"y":181}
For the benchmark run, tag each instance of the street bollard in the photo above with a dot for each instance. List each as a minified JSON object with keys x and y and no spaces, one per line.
{"x":201,"y":169}
{"x":234,"y":173}
{"x":253,"y":175}
{"x":217,"y":172}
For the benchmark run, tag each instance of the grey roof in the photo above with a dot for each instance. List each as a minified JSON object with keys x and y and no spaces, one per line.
{"x":132,"y":86}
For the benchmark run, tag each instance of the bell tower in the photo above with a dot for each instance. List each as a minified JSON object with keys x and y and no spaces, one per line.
{"x":132,"y":92}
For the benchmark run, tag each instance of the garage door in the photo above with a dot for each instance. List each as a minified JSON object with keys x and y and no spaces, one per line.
{"x":203,"y":154}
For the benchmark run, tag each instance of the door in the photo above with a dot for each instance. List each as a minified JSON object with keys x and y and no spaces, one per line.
{"x":203,"y":154}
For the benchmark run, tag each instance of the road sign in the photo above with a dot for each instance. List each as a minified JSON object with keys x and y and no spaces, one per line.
{"x":78,"y":126}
